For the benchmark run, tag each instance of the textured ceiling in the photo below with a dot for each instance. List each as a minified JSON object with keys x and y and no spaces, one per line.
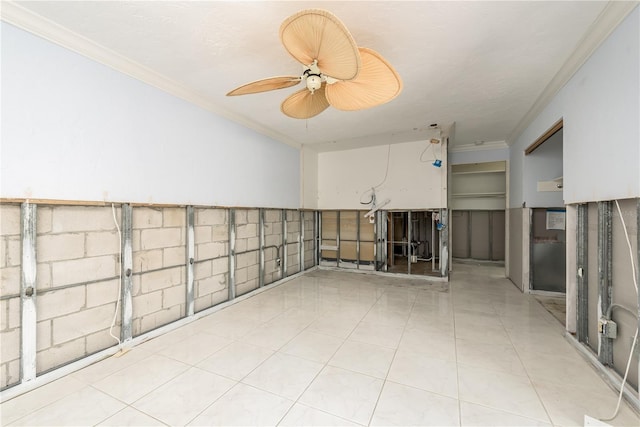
{"x":480,"y":65}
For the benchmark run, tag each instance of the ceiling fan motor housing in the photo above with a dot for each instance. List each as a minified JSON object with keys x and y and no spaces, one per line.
{"x":314,"y":82}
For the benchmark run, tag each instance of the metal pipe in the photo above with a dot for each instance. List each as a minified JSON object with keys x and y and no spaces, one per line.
{"x":191,"y":249}
{"x":409,"y":240}
{"x":126,"y":269}
{"x":28,"y":307}
{"x":261,"y":245}
{"x":232,"y":254}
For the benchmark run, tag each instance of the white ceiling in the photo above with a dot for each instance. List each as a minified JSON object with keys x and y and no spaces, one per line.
{"x":481,"y":65}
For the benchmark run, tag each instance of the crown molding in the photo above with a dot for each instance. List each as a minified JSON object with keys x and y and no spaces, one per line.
{"x":24,"y":19}
{"x":490,"y":145}
{"x":608,"y":20}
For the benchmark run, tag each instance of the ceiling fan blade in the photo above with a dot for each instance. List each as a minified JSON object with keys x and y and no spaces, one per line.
{"x":264,"y":85}
{"x":315,"y":34}
{"x":304,"y":104}
{"x":376,"y":84}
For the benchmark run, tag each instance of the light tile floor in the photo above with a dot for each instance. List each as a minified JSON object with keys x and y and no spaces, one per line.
{"x":340,"y":348}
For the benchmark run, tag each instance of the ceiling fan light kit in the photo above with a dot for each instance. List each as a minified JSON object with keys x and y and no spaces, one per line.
{"x":336,"y":71}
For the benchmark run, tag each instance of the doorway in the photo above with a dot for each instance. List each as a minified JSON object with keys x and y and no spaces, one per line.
{"x":478,"y":234}
{"x":548,"y":250}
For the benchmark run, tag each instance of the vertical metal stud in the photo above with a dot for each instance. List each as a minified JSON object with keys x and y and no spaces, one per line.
{"x":232,"y":254}
{"x":318,"y":244}
{"x":433,"y":240}
{"x":28,"y":347}
{"x":357,"y":240}
{"x":582,"y":245}
{"x":338,"y":238}
{"x":261,"y":252}
{"x":285,"y":252}
{"x":444,"y":243}
{"x":301,"y":243}
{"x":605,"y":345}
{"x":126,"y":272}
{"x":490,"y":239}
{"x":469,"y":234}
{"x":409,"y":235}
{"x":191,"y":251}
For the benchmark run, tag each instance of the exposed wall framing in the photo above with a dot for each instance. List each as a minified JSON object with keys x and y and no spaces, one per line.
{"x":582,"y":247}
{"x":163,"y":263}
{"x":605,"y":345}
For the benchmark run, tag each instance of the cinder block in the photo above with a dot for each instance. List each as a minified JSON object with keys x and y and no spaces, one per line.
{"x":220,"y":296}
{"x":136,"y":288}
{"x":10,"y":220}
{"x":44,"y":219}
{"x":43,"y":335}
{"x":211,"y":250}
{"x":60,"y":302}
{"x":57,"y":247}
{"x":155,"y":280}
{"x":220,"y":233}
{"x":202,"y":234}
{"x":273,"y":239}
{"x":146,"y":218}
{"x":241,"y":275}
{"x":70,"y":219}
{"x":174,"y":256}
{"x":174,"y":217}
{"x":220,"y":265}
{"x":103,"y":293}
{"x":10,"y":280}
{"x":253,"y":216}
{"x":9,"y":373}
{"x":210,"y":216}
{"x":83,"y":270}
{"x":211,"y":285}
{"x":246,"y":230}
{"x":202,"y":270}
{"x":202,"y":303}
{"x":253,"y":271}
{"x":246,"y":259}
{"x":13,"y":255}
{"x":147,"y":303}
{"x":253,"y":243}
{"x":147,"y":260}
{"x":272,"y":215}
{"x":241,"y":245}
{"x":102,"y":340}
{"x":60,"y":355}
{"x":102,"y":243}
{"x":154,"y":238}
{"x":9,"y":345}
{"x":10,"y":313}
{"x":159,"y":318}
{"x":241,"y":216}
{"x":135,"y":240}
{"x":174,"y":296}
{"x":82,"y":323}
{"x":247,"y":286}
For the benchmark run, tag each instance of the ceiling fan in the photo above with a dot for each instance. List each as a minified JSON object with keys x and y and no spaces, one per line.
{"x":336,"y":71}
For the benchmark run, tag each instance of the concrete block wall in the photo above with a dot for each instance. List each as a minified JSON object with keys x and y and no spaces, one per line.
{"x":10,"y":259}
{"x":272,"y":237}
{"x":293,"y":237}
{"x":309,"y":256}
{"x":211,"y":267}
{"x":77,"y":282}
{"x":159,"y":289}
{"x":248,"y":250}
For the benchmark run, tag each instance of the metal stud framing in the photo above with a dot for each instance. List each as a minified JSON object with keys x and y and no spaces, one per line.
{"x":318,"y":249}
{"x":301,"y":243}
{"x":444,"y":243}
{"x":357,"y":240}
{"x":285,"y":252}
{"x":337,"y":238}
{"x":605,"y":347}
{"x":232,"y":254}
{"x":409,"y":235}
{"x":126,"y":266}
{"x":261,"y":252}
{"x":582,"y":245}
{"x":28,"y":293}
{"x":191,"y":249}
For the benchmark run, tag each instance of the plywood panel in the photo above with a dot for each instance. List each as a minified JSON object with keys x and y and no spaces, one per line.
{"x":348,"y":225}
{"x":367,"y":252}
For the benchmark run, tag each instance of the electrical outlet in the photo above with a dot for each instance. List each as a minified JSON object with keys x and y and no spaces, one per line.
{"x":608,"y":328}
{"x":277,"y":262}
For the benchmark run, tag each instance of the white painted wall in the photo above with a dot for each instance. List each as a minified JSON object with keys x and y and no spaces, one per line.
{"x":346,"y":177}
{"x":309,"y":187}
{"x":600,"y":105}
{"x":478,"y":156}
{"x":544,"y":164}
{"x":74,"y":129}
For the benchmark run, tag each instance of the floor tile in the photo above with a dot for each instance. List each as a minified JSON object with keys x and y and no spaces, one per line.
{"x":435,"y":375}
{"x":130,"y":417}
{"x":236,"y":360}
{"x":400,"y":405}
{"x":493,"y":357}
{"x":133,"y":382}
{"x":178,"y":401}
{"x":195,"y":348}
{"x":244,"y":405}
{"x":365,"y":358}
{"x":498,"y":390}
{"x":373,"y":333}
{"x":477,"y":415}
{"x":343,"y":393}
{"x":301,"y":415}
{"x":96,"y":406}
{"x":337,"y":325}
{"x":108,"y":366}
{"x":284,"y":375}
{"x":434,"y":346}
{"x":313,"y":346}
